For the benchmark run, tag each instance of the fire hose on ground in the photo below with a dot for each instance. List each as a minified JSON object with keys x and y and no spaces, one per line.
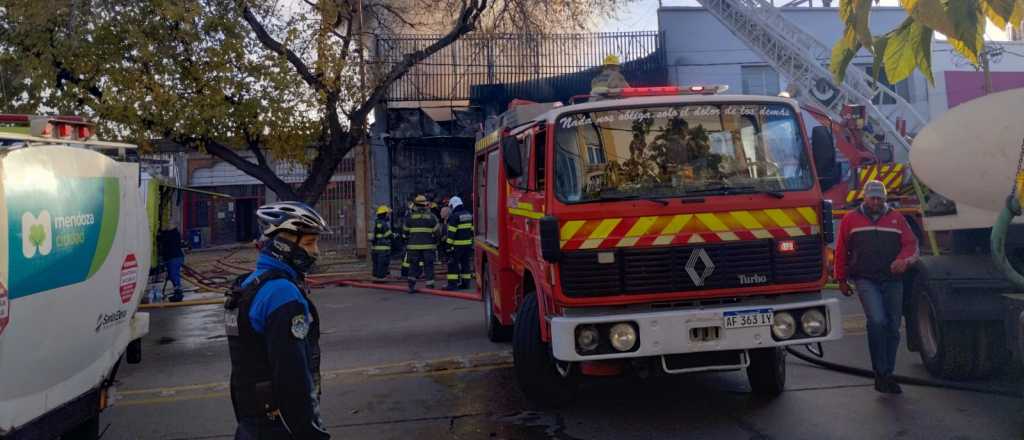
{"x":333,"y":279}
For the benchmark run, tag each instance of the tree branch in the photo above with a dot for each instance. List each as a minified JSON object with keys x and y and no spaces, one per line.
{"x":466,"y":23}
{"x":277,"y":47}
{"x":262,"y":172}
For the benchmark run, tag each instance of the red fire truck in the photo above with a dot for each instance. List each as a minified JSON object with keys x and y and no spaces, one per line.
{"x":658,"y":230}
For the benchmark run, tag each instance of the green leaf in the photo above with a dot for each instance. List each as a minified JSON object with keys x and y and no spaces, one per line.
{"x":855,"y":15}
{"x":932,"y":13}
{"x":908,"y":47}
{"x":842,"y":54}
{"x":968,"y":20}
{"x":999,"y":11}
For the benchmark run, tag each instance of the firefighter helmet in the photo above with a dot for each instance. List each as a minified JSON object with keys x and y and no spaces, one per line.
{"x":611,"y":60}
{"x":383,"y":209}
{"x":420,"y":200}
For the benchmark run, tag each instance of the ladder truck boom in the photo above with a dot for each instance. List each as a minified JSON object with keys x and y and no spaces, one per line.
{"x":803,"y":59}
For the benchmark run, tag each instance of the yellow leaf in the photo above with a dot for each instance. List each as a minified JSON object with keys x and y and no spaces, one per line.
{"x":908,"y":47}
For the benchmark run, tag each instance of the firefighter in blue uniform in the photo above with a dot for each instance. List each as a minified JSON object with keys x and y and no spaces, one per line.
{"x":381,"y":243}
{"x":422,"y":229}
{"x":460,"y":245}
{"x":273,"y":331}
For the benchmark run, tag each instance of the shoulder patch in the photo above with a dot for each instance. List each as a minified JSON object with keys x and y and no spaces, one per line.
{"x":300,"y":327}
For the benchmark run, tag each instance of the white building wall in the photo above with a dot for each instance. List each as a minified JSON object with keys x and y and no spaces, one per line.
{"x":944,"y":59}
{"x":700,"y":50}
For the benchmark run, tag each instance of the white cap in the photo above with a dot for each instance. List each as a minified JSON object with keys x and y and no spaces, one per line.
{"x":455,"y":202}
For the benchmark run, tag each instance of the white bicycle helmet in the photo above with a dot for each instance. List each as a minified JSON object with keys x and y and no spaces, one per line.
{"x":295,"y":217}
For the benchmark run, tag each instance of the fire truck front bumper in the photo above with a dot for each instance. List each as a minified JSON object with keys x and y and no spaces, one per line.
{"x":633,"y":335}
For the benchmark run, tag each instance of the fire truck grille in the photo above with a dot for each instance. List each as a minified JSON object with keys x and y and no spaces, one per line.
{"x":698,"y":267}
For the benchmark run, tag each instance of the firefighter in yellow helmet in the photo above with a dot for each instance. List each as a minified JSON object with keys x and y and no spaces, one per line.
{"x":609,"y":78}
{"x":381,"y":243}
{"x":422,"y":228}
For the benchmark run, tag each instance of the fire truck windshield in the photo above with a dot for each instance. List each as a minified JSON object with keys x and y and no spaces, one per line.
{"x":661,"y":152}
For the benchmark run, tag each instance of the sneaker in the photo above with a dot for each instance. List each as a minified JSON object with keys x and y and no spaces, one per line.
{"x":892,"y":385}
{"x":430,"y":284}
{"x":880,"y":385}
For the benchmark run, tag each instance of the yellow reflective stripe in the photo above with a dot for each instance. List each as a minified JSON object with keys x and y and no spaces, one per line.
{"x":526,"y":206}
{"x":452,"y":229}
{"x":382,"y":248}
{"x":421,"y":230}
{"x":467,"y":276}
{"x":460,"y":242}
{"x":676,"y":224}
{"x":466,"y":226}
{"x":780,"y":218}
{"x":712,"y":222}
{"x":808,"y":214}
{"x":452,"y":276}
{"x":570,"y":228}
{"x":641,"y":226}
{"x":605,"y":228}
{"x":746,"y":220}
{"x":525,"y":213}
{"x":422,"y":247}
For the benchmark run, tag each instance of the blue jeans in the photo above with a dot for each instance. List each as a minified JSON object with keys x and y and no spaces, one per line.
{"x":883,"y":307}
{"x":174,"y":271}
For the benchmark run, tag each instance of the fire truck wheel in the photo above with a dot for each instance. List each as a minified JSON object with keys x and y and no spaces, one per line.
{"x":495,"y":331}
{"x":767,"y":371}
{"x":536,"y":370}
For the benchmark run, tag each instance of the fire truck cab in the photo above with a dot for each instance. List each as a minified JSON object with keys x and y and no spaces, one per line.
{"x":656,"y":231}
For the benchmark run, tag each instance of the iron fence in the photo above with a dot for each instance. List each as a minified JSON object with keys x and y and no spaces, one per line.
{"x":451,"y":73}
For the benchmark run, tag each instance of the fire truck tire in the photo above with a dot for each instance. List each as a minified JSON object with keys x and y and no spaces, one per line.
{"x":496,"y":332}
{"x":536,"y":371}
{"x":767,"y":371}
{"x":88,"y":430}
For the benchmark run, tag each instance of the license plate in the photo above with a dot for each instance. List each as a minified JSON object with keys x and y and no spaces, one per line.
{"x":747,"y":318}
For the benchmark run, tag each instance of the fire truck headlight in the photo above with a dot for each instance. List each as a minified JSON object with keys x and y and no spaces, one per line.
{"x":622,"y":336}
{"x":587,"y":338}
{"x":783,"y":326}
{"x":813,"y":323}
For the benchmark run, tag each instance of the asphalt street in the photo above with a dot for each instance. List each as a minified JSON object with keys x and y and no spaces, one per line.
{"x":399,"y":366}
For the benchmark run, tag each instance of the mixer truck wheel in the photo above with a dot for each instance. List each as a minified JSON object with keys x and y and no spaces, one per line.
{"x":541,"y":377}
{"x":495,"y":331}
{"x":946,"y":346}
{"x":991,"y":355}
{"x":767,"y":371}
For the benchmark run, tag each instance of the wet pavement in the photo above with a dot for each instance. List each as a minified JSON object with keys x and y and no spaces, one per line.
{"x":400,"y":366}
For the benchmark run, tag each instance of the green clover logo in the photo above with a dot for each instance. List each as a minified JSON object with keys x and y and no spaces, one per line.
{"x":36,"y":235}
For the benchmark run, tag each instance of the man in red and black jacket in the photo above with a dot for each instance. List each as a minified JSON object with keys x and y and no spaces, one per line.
{"x":874,"y":247}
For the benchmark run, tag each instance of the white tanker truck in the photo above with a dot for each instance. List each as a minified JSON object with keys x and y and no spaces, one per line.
{"x":74,"y":257}
{"x":964,"y":306}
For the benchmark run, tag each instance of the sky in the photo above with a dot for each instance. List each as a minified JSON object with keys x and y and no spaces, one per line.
{"x":643,"y":16}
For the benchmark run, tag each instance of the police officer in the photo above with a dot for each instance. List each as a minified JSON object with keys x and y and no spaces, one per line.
{"x":273,"y":331}
{"x":422,"y":229}
{"x":460,"y":244}
{"x":381,"y":243}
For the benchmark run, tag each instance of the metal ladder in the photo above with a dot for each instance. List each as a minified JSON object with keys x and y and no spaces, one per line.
{"x":803,"y":59}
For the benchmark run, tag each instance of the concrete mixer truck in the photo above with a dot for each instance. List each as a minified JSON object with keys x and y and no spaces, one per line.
{"x":964,"y":310}
{"x":73,"y":261}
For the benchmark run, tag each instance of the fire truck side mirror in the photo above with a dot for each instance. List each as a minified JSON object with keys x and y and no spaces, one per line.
{"x":512,"y":156}
{"x":550,"y":247}
{"x":823,"y":147}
